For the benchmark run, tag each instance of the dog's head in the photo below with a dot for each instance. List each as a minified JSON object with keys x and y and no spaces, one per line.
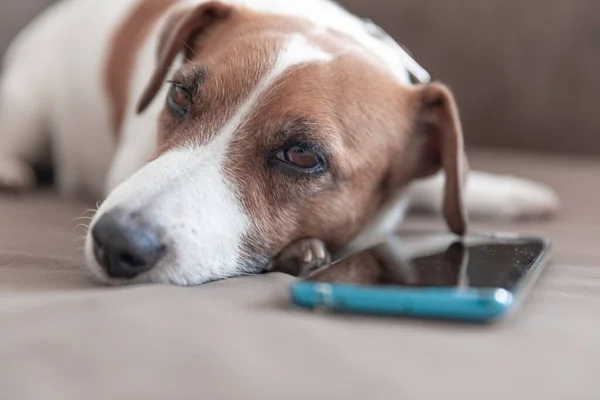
{"x":273,"y":129}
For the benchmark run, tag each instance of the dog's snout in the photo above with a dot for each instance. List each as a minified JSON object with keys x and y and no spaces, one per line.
{"x":124,"y":246}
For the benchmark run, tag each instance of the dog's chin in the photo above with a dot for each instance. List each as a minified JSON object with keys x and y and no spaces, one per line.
{"x":173,"y":270}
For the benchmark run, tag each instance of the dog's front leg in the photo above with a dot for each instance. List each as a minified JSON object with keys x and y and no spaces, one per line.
{"x":301,"y":257}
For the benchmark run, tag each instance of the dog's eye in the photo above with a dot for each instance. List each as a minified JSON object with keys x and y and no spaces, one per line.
{"x":300,"y":157}
{"x":179,"y":100}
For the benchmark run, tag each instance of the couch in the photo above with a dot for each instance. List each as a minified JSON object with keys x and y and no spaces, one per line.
{"x":64,"y":337}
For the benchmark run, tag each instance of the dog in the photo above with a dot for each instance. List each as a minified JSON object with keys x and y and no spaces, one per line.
{"x":234,"y":137}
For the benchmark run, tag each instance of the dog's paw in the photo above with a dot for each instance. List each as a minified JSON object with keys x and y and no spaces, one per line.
{"x":509,"y":198}
{"x":301,"y":257}
{"x":15,"y":175}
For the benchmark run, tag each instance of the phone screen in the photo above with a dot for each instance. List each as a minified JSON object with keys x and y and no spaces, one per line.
{"x":443,"y":260}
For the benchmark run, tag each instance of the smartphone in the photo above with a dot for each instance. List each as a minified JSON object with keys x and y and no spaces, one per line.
{"x":477,"y":277}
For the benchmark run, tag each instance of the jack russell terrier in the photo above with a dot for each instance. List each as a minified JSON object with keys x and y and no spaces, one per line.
{"x":237,"y":136}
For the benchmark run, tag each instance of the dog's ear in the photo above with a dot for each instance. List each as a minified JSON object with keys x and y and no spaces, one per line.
{"x":436,"y":142}
{"x":179,"y":36}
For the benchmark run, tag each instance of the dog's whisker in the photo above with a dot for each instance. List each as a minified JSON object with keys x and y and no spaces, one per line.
{"x":82,"y":218}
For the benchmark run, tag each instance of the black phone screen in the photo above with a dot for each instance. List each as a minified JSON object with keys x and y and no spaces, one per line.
{"x":446,"y":260}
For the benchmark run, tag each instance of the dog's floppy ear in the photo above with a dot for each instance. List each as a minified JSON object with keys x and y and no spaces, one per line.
{"x":436,"y":142}
{"x":179,"y":34}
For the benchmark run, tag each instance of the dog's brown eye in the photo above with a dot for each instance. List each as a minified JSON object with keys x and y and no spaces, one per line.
{"x":179,"y":100}
{"x":300,"y":157}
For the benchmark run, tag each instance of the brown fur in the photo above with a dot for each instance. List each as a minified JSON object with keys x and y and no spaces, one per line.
{"x":122,"y":52}
{"x":355,"y":133}
{"x":177,"y":37}
{"x":218,"y":84}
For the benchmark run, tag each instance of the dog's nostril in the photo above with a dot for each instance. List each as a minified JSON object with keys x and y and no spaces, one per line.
{"x":131,"y":260}
{"x":125,"y":247}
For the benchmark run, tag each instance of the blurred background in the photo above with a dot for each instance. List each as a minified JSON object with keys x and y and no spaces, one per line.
{"x":524,"y":72}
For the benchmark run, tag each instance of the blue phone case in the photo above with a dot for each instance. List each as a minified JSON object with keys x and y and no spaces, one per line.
{"x":460,"y":303}
{"x":451,"y":303}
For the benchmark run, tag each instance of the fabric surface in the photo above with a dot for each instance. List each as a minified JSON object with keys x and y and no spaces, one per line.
{"x":64,"y":337}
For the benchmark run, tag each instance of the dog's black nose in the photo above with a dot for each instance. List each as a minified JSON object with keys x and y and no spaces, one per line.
{"x":124,"y":246}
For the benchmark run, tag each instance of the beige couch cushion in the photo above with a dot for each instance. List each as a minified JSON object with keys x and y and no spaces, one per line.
{"x":63,"y":337}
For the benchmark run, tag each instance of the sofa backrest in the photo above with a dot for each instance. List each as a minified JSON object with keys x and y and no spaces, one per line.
{"x":526,"y":73}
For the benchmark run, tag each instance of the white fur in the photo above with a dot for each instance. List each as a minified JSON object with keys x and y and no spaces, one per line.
{"x":185,"y":195}
{"x":57,"y":63}
{"x":53,"y":79}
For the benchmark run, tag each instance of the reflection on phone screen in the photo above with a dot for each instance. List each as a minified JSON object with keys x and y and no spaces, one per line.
{"x":441,"y":261}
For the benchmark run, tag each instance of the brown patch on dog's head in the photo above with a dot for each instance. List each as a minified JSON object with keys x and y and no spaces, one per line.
{"x":375,"y":137}
{"x":357,"y":133}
